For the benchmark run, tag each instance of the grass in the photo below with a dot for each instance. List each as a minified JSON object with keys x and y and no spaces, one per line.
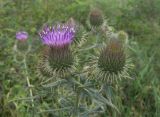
{"x":140,"y":19}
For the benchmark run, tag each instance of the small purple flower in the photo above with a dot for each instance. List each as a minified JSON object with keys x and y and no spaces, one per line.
{"x":59,"y":35}
{"x":21,"y":35}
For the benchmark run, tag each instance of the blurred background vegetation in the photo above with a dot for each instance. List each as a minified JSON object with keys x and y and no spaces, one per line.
{"x":139,"y":18}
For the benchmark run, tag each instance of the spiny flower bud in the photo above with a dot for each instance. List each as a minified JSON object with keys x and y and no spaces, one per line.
{"x":96,"y":17}
{"x":111,"y":64}
{"x":123,"y":37}
{"x":58,"y":56}
{"x":112,"y":58}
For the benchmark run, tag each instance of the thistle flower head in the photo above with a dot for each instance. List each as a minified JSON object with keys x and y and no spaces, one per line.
{"x":21,"y":35}
{"x":59,"y":35}
{"x":58,"y":57}
{"x":22,"y":44}
{"x":96,"y":17}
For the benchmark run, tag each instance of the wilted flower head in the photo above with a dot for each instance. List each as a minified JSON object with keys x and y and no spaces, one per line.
{"x":21,"y":35}
{"x":96,"y":17}
{"x":59,"y":35}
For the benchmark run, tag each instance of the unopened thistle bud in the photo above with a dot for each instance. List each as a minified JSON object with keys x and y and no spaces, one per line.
{"x":112,"y":58}
{"x":96,"y":17}
{"x":112,"y":63}
{"x":123,"y":37}
{"x":58,"y":57}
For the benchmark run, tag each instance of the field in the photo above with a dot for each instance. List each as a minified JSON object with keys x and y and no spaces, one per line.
{"x":24,"y":92}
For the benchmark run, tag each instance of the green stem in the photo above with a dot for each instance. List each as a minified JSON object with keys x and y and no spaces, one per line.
{"x":77,"y":104}
{"x":28,"y":81}
{"x":97,"y":38}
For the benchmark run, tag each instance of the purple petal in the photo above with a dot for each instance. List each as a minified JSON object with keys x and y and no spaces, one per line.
{"x":22,"y":35}
{"x":57,"y":36}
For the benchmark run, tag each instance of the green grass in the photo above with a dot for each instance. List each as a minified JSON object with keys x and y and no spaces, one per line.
{"x":140,"y":19}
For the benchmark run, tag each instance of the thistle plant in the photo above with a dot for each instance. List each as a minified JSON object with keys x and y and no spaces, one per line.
{"x":58,"y":69}
{"x":69,"y":85}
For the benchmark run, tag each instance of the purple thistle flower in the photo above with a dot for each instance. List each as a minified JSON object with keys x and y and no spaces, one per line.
{"x":59,"y":35}
{"x":21,"y":35}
